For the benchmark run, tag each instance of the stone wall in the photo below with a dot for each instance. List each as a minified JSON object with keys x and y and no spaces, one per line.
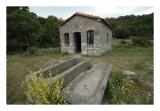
{"x":82,"y":24}
{"x":58,"y":68}
{"x":67,"y":69}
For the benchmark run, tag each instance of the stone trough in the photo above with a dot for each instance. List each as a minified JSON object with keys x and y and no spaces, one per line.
{"x":58,"y":68}
{"x":89,"y":86}
{"x":68,"y":70}
{"x":82,"y":85}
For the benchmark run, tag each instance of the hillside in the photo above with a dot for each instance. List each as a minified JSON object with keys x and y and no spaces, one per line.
{"x":132,"y":25}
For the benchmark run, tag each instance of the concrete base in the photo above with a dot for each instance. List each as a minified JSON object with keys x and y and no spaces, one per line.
{"x":89,"y":86}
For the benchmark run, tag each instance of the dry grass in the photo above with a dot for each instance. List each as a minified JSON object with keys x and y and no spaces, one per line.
{"x":137,"y":59}
{"x":122,"y":57}
{"x":18,"y":67}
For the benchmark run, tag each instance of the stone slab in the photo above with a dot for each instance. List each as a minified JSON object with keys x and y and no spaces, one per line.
{"x":89,"y":86}
{"x":129,"y":73}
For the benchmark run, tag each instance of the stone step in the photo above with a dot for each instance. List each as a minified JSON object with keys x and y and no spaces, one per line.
{"x":89,"y":86}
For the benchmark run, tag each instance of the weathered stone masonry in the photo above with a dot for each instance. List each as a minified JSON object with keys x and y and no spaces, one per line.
{"x":82,"y":23}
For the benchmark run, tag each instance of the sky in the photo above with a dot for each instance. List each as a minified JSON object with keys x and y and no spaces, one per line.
{"x":65,"y":12}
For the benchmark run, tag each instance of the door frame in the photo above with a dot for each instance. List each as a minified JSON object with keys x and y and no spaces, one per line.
{"x":77,"y":42}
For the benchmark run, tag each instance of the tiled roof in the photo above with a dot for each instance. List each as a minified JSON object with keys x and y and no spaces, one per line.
{"x":97,"y":18}
{"x":87,"y":15}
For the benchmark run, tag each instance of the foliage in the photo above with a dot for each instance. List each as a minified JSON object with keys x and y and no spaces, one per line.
{"x":140,"y":25}
{"x":114,"y":94}
{"x":18,"y":65}
{"x":128,"y":88}
{"x":119,"y":90}
{"x":25,"y":29}
{"x":149,"y":97}
{"x":32,"y":50}
{"x":123,"y":42}
{"x":126,"y":42}
{"x":50,"y":37}
{"x":121,"y":33}
{"x":22,"y":29}
{"x":40,"y":91}
{"x":139,"y":41}
{"x":124,"y":91}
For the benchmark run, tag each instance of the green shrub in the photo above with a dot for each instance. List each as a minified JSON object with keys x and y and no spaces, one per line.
{"x":128,"y":87}
{"x":120,"y":90}
{"x":50,"y":51}
{"x":149,"y":98}
{"x":40,"y":91}
{"x":123,"y":42}
{"x":139,"y":41}
{"x":121,"y":33}
{"x":32,"y":50}
{"x":126,"y":42}
{"x":114,"y":95}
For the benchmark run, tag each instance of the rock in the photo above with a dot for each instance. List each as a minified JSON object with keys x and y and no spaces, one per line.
{"x":129,"y":74}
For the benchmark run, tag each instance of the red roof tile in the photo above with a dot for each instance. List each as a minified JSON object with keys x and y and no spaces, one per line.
{"x":88,"y":16}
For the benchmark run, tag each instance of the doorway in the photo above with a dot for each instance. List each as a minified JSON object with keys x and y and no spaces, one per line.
{"x":77,"y":38}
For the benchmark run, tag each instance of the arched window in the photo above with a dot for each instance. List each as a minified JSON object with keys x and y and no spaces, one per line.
{"x":90,"y":37}
{"x":66,"y":38}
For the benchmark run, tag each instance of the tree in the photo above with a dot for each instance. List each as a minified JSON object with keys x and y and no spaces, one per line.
{"x":140,"y":25}
{"x":25,"y":29}
{"x":22,"y":28}
{"x":121,"y":33}
{"x":50,"y":38}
